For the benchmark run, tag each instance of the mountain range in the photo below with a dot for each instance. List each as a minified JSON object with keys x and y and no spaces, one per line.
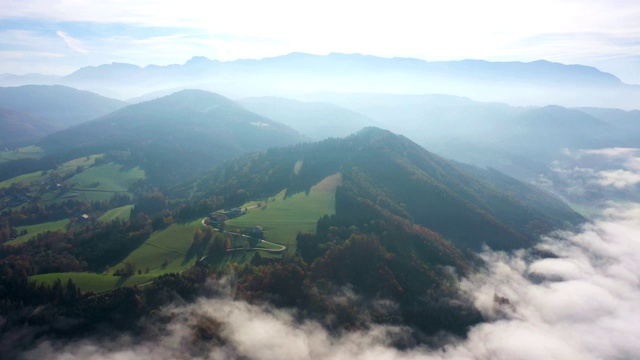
{"x":62,"y":105}
{"x":317,"y":120}
{"x":402,"y":226}
{"x":521,"y":141}
{"x":533,"y":83}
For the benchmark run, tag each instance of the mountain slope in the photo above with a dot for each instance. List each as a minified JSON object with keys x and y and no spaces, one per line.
{"x":175,"y":136}
{"x":628,"y":120}
{"x":405,"y":222}
{"x":17,"y":128}
{"x":387,"y":173}
{"x":62,"y":105}
{"x":520,"y":141}
{"x":314,"y":119}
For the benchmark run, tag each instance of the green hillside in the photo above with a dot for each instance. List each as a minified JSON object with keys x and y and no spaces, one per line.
{"x":18,"y":128}
{"x":61,"y":105}
{"x":102,"y":182}
{"x":123,"y":213}
{"x":397,"y":176}
{"x":282,"y":218}
{"x":34,"y":230}
{"x":40,"y":176}
{"x":165,"y":251}
{"x":174,"y":137}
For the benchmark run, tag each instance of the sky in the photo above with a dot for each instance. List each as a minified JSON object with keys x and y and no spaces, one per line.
{"x":60,"y":36}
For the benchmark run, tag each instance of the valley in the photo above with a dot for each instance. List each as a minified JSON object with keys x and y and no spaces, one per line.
{"x":151,"y":203}
{"x":295,"y":180}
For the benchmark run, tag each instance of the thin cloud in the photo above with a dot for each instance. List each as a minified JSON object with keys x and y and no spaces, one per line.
{"x":616,"y":152}
{"x":618,"y":178}
{"x":73,"y":43}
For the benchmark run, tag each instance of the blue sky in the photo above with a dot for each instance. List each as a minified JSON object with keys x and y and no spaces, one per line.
{"x":60,"y":36}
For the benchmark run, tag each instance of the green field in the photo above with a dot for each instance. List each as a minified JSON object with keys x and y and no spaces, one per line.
{"x":29,"y":178}
{"x":40,"y":176}
{"x":33,"y":230}
{"x":99,"y":183}
{"x":111,"y":177}
{"x":282,"y":219}
{"x":29,"y":152}
{"x":71,"y":166}
{"x":167,"y":250}
{"x":123,"y":213}
{"x":171,"y":244}
{"x":92,"y":281}
{"x":93,"y":183}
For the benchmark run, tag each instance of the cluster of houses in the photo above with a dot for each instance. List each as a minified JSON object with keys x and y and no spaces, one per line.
{"x":51,"y":184}
{"x":257,"y":232}
{"x":220,"y":217}
{"x":18,"y":197}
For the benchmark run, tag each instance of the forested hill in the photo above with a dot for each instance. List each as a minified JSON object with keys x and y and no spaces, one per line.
{"x":62,"y":105}
{"x":316,"y":120}
{"x":18,"y":128}
{"x":387,"y":174}
{"x":175,"y":136}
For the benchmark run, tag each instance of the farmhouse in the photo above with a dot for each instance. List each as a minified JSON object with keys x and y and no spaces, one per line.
{"x":257,"y":231}
{"x":235,"y":212}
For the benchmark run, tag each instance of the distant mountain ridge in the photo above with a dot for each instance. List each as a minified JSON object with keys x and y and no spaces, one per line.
{"x":518,"y":83}
{"x":520,"y":141}
{"x":536,"y":71}
{"x":63,"y":105}
{"x":316,"y":120}
{"x":19,"y":129}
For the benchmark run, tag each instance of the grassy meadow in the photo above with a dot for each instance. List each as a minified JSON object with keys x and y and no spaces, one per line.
{"x":168,"y":250}
{"x":28,"y":152}
{"x":38,"y":177}
{"x":169,"y":246}
{"x":282,"y":219}
{"x":123,"y":213}
{"x":30,"y":178}
{"x":33,"y":230}
{"x":101,"y":182}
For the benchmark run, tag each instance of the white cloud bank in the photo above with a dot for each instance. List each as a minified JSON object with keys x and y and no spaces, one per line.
{"x":582,"y":304}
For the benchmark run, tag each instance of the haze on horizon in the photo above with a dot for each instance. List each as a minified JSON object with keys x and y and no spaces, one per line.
{"x":58,"y":37}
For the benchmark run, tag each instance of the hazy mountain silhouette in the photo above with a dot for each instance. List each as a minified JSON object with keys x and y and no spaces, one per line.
{"x":17,"y":128}
{"x":532,"y":83}
{"x":177,"y":135}
{"x":61,"y":105}
{"x":314,"y":119}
